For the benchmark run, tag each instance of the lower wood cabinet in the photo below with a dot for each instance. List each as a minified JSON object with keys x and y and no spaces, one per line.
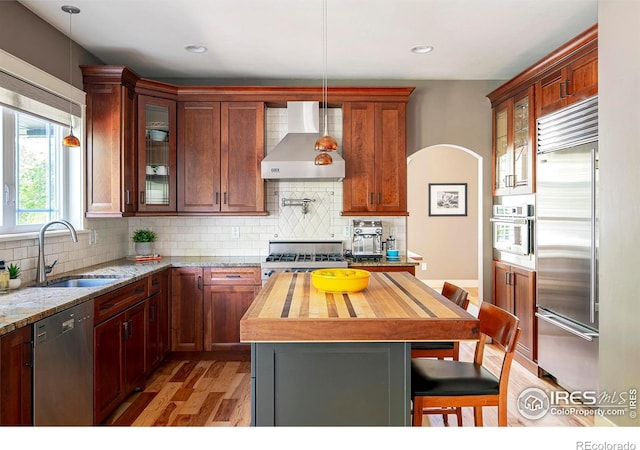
{"x":514,"y":290}
{"x":129,"y":341}
{"x":16,"y":375}
{"x":157,"y":320}
{"x":118,"y":359}
{"x":207,"y":305}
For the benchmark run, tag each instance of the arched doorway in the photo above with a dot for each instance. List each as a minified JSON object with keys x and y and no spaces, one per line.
{"x":450,"y":246}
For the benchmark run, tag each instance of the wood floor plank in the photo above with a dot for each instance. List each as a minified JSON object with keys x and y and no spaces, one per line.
{"x":137,"y":407}
{"x":215,"y":369}
{"x":184,"y":371}
{"x":187,"y":389}
{"x":165,"y":416}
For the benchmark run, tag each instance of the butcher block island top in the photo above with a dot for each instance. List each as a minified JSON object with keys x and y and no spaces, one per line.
{"x":395,"y":307}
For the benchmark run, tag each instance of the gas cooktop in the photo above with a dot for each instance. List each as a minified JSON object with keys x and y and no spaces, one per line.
{"x":305,"y":254}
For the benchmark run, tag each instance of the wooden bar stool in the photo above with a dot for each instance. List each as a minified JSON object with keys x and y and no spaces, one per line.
{"x":439,"y":385}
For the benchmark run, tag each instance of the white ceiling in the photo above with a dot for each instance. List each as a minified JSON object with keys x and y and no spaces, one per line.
{"x":367,"y":39}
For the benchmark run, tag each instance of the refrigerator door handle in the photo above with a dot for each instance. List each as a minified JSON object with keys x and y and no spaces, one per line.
{"x":587,"y":335}
{"x":593,"y":268}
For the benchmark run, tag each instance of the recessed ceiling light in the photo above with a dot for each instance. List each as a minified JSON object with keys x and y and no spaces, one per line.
{"x":196,"y":48}
{"x":422,"y":49}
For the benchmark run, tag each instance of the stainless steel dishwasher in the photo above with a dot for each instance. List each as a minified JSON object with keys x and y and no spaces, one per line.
{"x":63,"y":368}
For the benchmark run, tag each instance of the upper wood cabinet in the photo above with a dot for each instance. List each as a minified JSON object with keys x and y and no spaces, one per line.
{"x":374,"y":149}
{"x":110,"y":141}
{"x":156,"y":154}
{"x":514,"y":145}
{"x":569,"y":84}
{"x":565,"y":76}
{"x":220,"y":147}
{"x":155,"y":148}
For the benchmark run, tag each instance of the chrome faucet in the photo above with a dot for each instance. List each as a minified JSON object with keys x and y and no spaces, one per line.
{"x":43,"y":269}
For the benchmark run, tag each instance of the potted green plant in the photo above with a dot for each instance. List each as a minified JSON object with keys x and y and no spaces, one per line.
{"x":143,"y":240}
{"x":14,"y":272}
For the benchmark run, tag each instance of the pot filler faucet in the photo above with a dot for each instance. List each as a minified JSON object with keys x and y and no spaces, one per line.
{"x":43,"y":269}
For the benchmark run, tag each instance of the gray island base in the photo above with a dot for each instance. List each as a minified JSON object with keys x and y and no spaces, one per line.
{"x":330,"y":384}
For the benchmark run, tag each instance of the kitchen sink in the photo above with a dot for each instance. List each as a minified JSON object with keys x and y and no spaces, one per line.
{"x":89,"y":281}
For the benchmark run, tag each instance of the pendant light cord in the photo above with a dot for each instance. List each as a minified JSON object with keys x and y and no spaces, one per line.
{"x":70,"y":76}
{"x":325,"y":96}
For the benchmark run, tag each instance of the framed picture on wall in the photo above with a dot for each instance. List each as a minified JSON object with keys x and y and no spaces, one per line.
{"x":448,"y":199}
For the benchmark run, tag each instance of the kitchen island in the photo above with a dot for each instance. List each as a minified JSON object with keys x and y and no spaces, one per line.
{"x":332,"y":359}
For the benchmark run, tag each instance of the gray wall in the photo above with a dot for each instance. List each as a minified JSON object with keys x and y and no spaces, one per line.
{"x":25,"y":35}
{"x":619,"y":125}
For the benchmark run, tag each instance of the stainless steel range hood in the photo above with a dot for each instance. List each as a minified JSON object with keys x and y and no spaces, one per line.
{"x":292,"y":159}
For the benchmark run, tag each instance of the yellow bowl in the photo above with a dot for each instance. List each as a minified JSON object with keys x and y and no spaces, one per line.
{"x":340,"y":280}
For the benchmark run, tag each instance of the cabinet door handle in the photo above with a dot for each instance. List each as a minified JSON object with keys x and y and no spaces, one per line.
{"x":199,"y":280}
{"x":130,"y":327}
{"x":28,"y":353}
{"x":379,"y":198}
{"x":225,"y":198}
{"x":125,"y":329}
{"x":371,"y":198}
{"x":566,"y":88}
{"x":217,"y":198}
{"x":127,"y":196}
{"x":142,"y":197}
{"x":561,"y":93}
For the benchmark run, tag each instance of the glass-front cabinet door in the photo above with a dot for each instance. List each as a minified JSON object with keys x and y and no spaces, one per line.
{"x":502,"y":152}
{"x":156,"y":154}
{"x":513,"y":145}
{"x":522,"y":146}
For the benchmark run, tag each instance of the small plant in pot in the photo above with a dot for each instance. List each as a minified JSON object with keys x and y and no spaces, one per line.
{"x":14,"y":272}
{"x":143,"y":240}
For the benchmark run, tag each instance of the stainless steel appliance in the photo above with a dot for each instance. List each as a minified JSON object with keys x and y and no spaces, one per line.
{"x":293,"y":158}
{"x":302,"y":256}
{"x":567,"y":245}
{"x":367,"y":240}
{"x":513,"y":228}
{"x":63,"y":368}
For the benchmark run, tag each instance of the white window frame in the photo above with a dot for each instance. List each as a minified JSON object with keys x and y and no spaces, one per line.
{"x":73,"y":169}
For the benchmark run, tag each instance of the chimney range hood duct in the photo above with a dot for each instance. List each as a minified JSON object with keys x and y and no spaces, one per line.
{"x":293,"y":157}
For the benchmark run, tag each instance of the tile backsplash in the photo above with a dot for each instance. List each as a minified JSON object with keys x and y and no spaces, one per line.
{"x":109,"y":239}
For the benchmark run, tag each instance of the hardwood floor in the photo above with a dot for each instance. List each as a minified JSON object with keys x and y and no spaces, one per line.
{"x":187,"y":393}
{"x":191,"y":393}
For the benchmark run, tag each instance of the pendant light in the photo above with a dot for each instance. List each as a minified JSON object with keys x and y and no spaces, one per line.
{"x":70,"y":140}
{"x":325,"y":143}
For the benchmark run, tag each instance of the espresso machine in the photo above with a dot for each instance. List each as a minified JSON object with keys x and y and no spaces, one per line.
{"x":367,"y":240}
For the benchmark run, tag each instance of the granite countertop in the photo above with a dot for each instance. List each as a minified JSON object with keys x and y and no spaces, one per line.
{"x":29,"y":304}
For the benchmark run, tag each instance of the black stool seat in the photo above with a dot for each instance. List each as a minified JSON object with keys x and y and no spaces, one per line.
{"x":432,"y":377}
{"x":432,"y":345}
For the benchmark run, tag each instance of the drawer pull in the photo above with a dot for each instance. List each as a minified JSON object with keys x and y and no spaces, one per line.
{"x":106,"y":306}
{"x":233,"y":276}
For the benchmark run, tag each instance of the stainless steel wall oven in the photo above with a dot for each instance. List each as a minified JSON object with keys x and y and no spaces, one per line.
{"x":513,"y":229}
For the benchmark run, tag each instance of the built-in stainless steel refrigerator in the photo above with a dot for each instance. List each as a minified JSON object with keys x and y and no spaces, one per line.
{"x":566,"y":237}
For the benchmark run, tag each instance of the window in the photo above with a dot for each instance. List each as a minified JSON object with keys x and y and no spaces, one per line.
{"x":41,"y":180}
{"x":32,"y":171}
